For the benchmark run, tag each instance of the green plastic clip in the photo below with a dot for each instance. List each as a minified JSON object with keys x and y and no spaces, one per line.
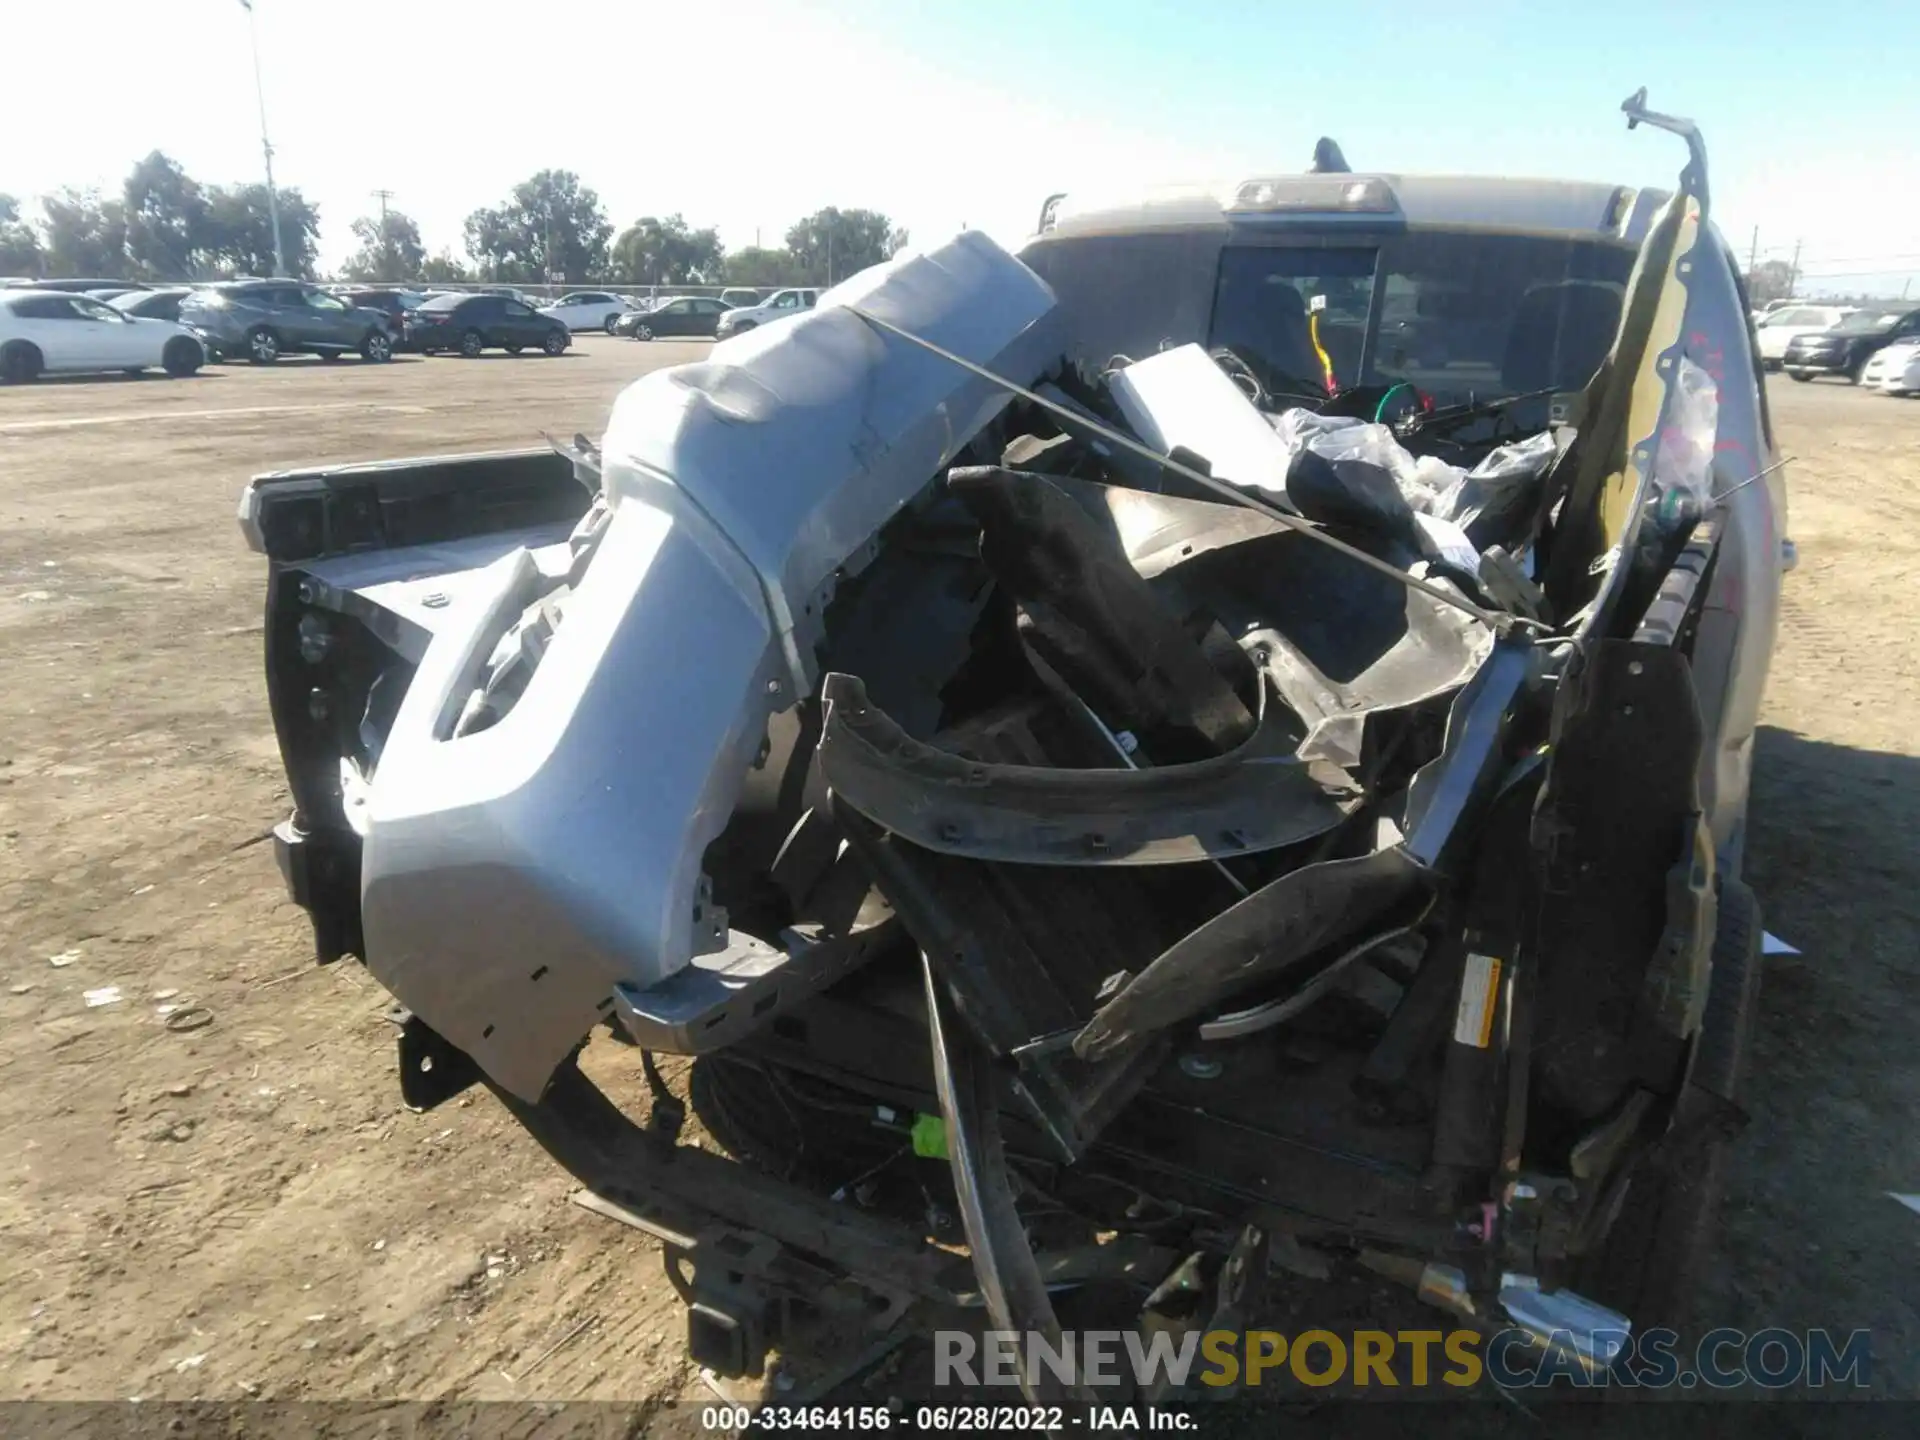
{"x":929,"y":1137}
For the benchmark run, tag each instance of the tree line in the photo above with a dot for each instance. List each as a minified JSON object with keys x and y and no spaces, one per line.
{"x":165,"y":225}
{"x":1769,"y":280}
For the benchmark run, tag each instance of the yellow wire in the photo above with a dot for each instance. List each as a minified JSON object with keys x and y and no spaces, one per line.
{"x":1326,"y":360}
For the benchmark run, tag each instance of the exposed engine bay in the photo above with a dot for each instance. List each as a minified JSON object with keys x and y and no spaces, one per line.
{"x":1154,"y":804}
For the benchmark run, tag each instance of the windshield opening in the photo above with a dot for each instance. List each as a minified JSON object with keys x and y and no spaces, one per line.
{"x":1464,"y":316}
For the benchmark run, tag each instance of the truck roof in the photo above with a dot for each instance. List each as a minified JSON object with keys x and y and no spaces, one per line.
{"x":1620,"y":213}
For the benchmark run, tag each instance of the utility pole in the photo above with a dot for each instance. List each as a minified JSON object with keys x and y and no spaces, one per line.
{"x":1753,"y":255}
{"x":1793,"y":275}
{"x":260,"y":93}
{"x":550,"y":275}
{"x":386,"y":243}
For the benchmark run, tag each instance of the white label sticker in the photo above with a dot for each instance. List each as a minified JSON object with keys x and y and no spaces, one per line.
{"x":1479,"y":994}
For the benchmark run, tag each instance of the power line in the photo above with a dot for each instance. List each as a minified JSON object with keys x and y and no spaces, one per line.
{"x":1858,"y":274}
{"x":1778,"y":251}
{"x":1884,"y":262}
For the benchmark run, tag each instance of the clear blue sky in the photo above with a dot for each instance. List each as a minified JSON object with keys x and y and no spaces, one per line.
{"x":747,"y":113}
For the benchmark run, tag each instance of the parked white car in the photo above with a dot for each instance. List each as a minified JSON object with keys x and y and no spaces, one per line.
{"x":777,"y":306}
{"x":1894,"y":369}
{"x":52,"y":331}
{"x":1777,"y":328}
{"x":588,"y":310}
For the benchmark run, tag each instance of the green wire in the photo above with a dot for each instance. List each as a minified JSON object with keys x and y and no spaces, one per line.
{"x":1381,"y":408}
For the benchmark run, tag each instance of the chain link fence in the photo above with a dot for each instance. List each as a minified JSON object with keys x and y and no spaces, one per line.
{"x":543,"y":294}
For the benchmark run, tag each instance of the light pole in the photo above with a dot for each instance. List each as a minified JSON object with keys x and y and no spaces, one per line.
{"x":387,"y":261}
{"x":547,"y":254}
{"x":555,"y":274}
{"x":260,"y":93}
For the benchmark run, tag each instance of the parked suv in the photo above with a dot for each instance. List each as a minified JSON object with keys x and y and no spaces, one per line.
{"x":265,"y":319}
{"x":777,"y":306}
{"x":588,"y":310}
{"x":1846,"y":349}
{"x":1778,"y":329}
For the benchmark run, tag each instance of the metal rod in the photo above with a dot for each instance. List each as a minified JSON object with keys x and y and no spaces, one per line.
{"x":1011,"y":1285}
{"x":1226,"y":492}
{"x":1760,"y":475}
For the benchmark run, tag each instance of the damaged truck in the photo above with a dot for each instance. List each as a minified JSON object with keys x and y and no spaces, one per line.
{"x":1216,"y":743}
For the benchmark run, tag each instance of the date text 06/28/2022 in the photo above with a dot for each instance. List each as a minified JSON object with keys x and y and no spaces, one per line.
{"x":1030,"y":1419}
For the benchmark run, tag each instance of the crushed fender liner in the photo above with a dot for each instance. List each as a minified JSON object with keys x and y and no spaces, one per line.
{"x":1256,"y":797}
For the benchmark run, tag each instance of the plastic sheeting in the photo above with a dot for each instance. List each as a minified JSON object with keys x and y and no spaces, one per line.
{"x":1490,"y":498}
{"x":1685,"y":459}
{"x":1345,"y":470}
{"x":1362,"y":453}
{"x":1339,"y":470}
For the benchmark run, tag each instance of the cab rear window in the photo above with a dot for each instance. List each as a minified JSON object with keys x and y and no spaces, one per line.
{"x":1463,"y":315}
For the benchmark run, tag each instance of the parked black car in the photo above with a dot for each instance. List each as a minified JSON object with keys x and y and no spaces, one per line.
{"x":472,"y":323}
{"x":1845,"y":349}
{"x":683,"y":315}
{"x":151,"y":304}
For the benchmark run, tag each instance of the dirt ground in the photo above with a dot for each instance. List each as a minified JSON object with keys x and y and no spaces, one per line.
{"x":246,"y":1209}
